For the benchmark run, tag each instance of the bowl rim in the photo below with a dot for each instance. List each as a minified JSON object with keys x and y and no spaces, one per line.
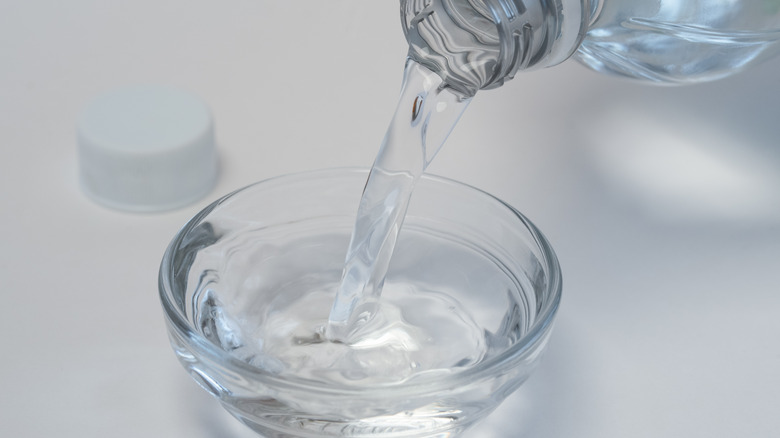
{"x":506,"y":359}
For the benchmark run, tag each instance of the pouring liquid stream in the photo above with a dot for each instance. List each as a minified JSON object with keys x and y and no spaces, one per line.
{"x":426,"y":114}
{"x":416,"y":328}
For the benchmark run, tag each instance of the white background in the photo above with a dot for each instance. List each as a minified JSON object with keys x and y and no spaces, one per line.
{"x":663,"y":205}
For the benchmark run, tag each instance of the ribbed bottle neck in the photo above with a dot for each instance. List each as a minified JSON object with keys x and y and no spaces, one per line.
{"x":480,"y":44}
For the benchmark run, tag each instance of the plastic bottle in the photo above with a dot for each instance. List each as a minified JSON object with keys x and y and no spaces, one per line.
{"x":478,"y":44}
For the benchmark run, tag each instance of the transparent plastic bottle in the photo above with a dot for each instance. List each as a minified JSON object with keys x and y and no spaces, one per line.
{"x":478,"y":44}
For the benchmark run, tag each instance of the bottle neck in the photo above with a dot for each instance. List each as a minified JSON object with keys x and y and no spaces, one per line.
{"x":480,"y":44}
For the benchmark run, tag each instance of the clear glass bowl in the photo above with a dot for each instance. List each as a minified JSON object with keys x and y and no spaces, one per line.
{"x":470,"y":298}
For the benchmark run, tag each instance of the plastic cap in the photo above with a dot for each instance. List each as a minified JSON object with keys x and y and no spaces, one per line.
{"x":146,"y":148}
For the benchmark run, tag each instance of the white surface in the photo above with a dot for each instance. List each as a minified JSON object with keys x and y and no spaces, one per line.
{"x":663,"y":205}
{"x":146,"y":148}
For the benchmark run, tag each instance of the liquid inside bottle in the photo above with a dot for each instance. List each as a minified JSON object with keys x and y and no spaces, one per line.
{"x":678,"y":42}
{"x":478,"y":44}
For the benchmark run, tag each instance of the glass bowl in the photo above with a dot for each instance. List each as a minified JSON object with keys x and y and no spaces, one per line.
{"x":468,"y":305}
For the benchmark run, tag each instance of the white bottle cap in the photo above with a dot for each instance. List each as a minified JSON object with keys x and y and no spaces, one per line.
{"x":146,"y":148}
